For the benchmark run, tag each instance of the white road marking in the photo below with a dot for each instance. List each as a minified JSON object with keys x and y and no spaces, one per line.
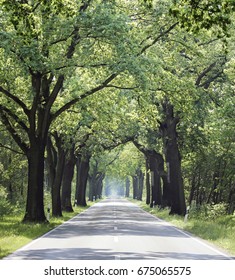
{"x":190,"y":236}
{"x":115,"y":239}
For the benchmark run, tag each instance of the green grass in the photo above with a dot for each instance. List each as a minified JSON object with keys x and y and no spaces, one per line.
{"x":15,"y":234}
{"x":219,"y":231}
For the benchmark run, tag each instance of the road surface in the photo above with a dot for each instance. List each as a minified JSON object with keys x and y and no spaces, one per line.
{"x":117,"y":229}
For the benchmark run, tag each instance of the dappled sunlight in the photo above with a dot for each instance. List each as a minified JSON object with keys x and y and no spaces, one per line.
{"x":116,"y":227}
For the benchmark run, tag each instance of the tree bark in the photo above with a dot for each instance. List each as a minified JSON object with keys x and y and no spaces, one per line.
{"x":39,"y":118}
{"x":93,"y":181}
{"x":147,"y":181}
{"x":51,"y":161}
{"x":56,"y":188}
{"x":81,"y":179}
{"x":156,"y":198}
{"x":34,"y":205}
{"x":135,"y":186}
{"x":99,"y":184}
{"x":140,"y":184}
{"x":127,"y":187}
{"x":173,"y":159}
{"x":166,"y":192}
{"x":68,"y":174}
{"x":154,"y":171}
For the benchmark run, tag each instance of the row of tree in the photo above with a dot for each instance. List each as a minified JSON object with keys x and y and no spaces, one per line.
{"x":79,"y":79}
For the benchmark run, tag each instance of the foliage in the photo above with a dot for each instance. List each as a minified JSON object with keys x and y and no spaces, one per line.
{"x":119,"y":61}
{"x":203,"y":14}
{"x":129,"y":160}
{"x":208,"y":212}
{"x":5,"y":207}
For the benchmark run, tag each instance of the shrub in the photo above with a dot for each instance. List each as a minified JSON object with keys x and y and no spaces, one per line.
{"x":214,"y":211}
{"x":208,"y":211}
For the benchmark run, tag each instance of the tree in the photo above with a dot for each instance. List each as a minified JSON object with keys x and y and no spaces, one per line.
{"x":56,"y":161}
{"x":167,"y":89}
{"x":173,"y":159}
{"x":83,"y":165}
{"x":42,"y":59}
{"x":68,"y":174}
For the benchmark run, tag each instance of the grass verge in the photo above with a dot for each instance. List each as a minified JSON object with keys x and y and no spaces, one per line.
{"x":220,"y":231}
{"x":15,"y":234}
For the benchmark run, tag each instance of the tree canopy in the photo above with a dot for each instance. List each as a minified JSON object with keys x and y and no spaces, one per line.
{"x":136,"y":90}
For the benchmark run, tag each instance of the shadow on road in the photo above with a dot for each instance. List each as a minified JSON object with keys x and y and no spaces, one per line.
{"x":116,"y":230}
{"x":101,"y":254}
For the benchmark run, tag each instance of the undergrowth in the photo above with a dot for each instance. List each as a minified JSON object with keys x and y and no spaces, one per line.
{"x":211,"y":224}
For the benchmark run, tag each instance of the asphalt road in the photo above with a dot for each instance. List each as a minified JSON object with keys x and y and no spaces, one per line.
{"x":117,"y":229}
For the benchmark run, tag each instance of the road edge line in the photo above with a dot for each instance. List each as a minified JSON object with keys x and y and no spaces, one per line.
{"x":188,"y":234}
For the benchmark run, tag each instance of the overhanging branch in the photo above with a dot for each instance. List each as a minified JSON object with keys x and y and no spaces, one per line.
{"x":158,"y":38}
{"x":14,"y":117}
{"x":15,"y":99}
{"x":84,"y":95}
{"x":23,"y":146}
{"x":119,"y":87}
{"x":10,"y":149}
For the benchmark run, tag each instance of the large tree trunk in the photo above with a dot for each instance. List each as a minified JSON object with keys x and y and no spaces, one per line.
{"x":35,"y":206}
{"x":69,"y":166}
{"x":156,"y":198}
{"x":173,"y":159}
{"x":147,"y":182}
{"x":127,"y":187}
{"x":51,"y":161}
{"x":81,"y":179}
{"x":153,"y":163}
{"x":92,"y":182}
{"x":95,"y":183}
{"x":99,"y":184}
{"x":135,"y":186}
{"x":140,"y":184}
{"x":39,"y":122}
{"x":56,"y":188}
{"x":166,"y":192}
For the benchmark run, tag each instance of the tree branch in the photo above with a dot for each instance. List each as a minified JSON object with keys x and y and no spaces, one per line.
{"x":14,"y":117}
{"x":158,"y":38}
{"x":15,"y":99}
{"x":207,"y":83}
{"x":10,"y":149}
{"x":116,"y":144}
{"x":84,"y":95}
{"x":23,"y":146}
{"x":55,"y":91}
{"x":75,"y":34}
{"x":113,"y":160}
{"x":140,"y":147}
{"x":118,"y":87}
{"x":204,"y":72}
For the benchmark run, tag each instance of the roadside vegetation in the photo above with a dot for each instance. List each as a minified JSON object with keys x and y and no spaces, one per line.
{"x":15,"y":234}
{"x":210,"y":223}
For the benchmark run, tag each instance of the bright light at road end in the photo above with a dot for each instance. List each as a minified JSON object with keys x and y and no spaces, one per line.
{"x":114,"y":188}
